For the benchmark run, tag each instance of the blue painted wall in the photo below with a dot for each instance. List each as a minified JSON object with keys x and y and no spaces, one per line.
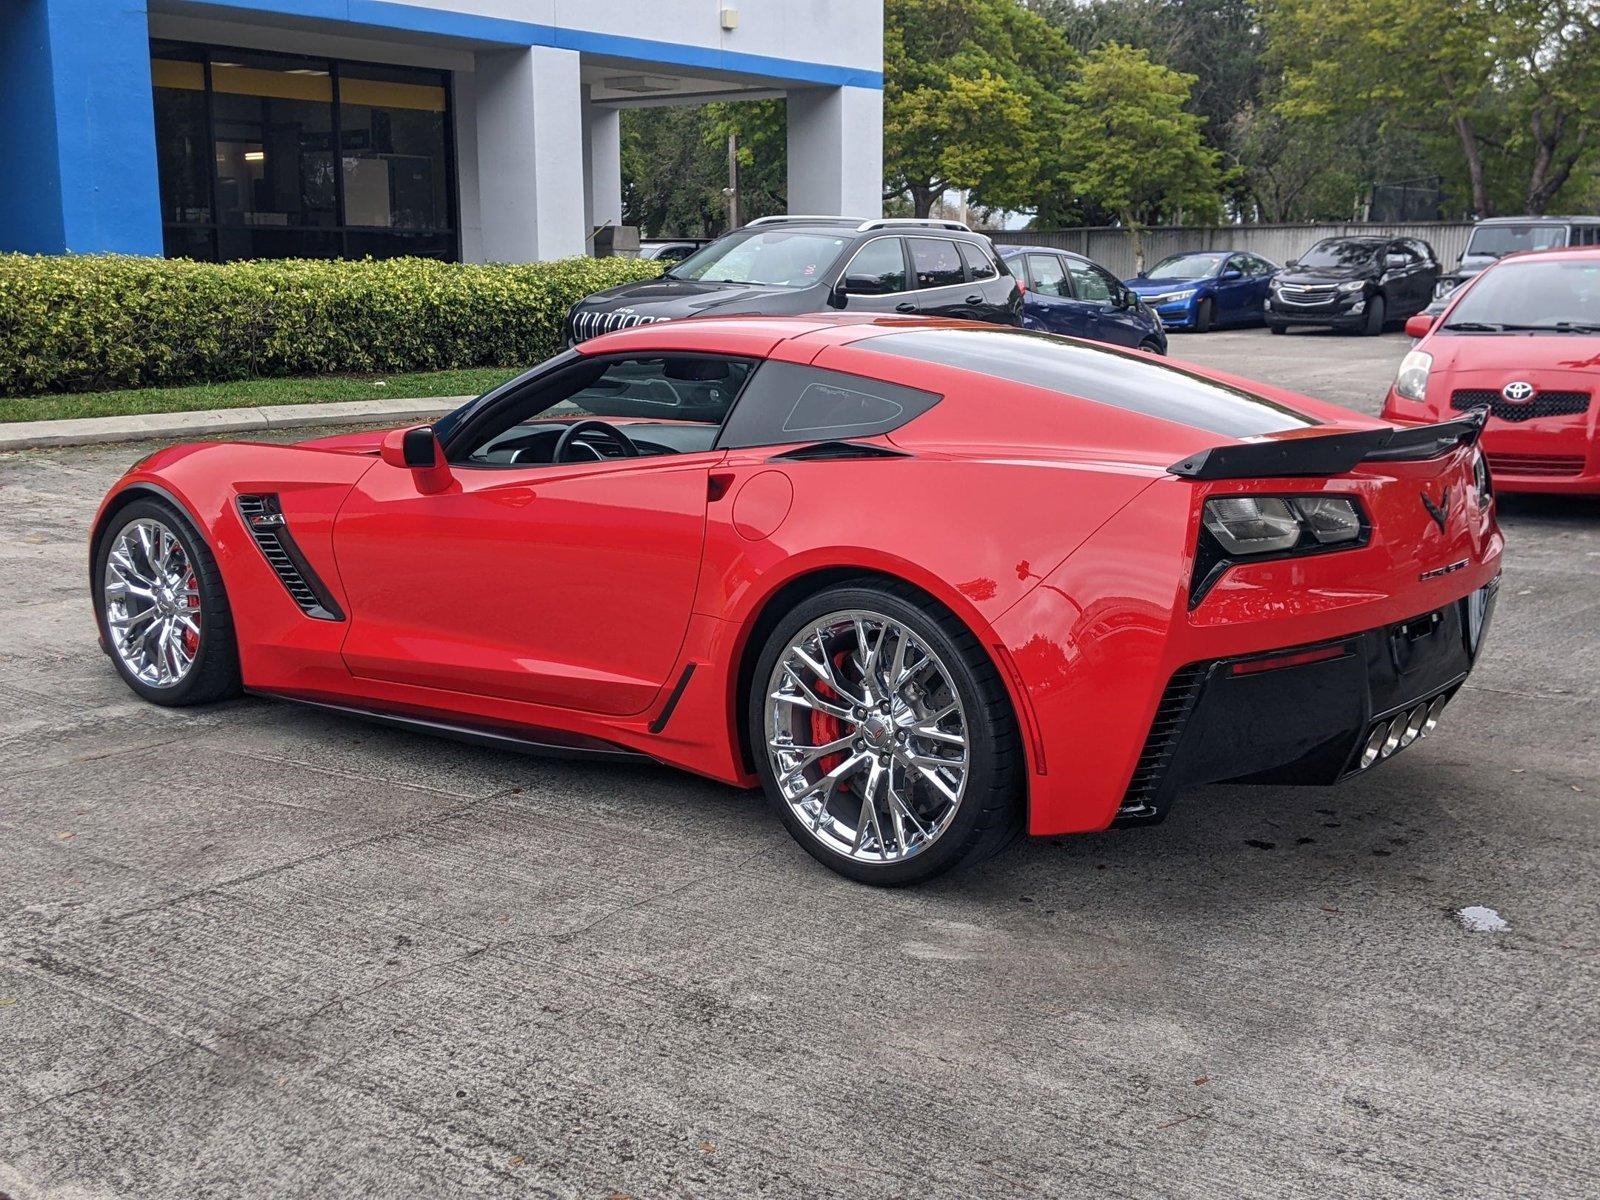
{"x":30,"y":183}
{"x":77,"y":138}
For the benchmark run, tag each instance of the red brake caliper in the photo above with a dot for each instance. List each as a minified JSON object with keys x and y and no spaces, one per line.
{"x":825,"y":729}
{"x":191,"y":637}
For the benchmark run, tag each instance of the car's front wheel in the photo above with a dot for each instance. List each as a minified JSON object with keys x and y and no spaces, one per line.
{"x":164,"y":615}
{"x":884,"y":736}
{"x":1204,"y":315}
{"x":1375,"y":317}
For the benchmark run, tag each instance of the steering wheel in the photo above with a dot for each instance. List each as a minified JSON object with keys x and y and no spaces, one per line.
{"x":572,"y":432}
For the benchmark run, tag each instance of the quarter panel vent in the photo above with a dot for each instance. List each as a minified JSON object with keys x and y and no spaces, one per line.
{"x":263,"y":517}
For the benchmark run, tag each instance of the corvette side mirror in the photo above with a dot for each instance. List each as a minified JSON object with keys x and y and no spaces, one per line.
{"x":417,"y":450}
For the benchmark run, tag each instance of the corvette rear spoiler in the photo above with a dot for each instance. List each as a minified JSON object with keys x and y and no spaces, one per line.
{"x":1333,"y":453}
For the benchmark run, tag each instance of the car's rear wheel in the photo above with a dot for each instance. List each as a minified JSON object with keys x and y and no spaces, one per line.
{"x":1204,"y":314}
{"x":163,"y":611}
{"x":884,"y":737}
{"x":1375,"y":317}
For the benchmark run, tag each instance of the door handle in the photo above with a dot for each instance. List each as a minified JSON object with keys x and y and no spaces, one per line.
{"x":975,"y":298}
{"x":905,"y":306}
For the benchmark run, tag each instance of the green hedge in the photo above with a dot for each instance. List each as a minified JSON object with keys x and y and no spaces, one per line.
{"x":84,"y":323}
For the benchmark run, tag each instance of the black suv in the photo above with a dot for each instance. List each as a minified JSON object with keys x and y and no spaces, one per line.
{"x":778,"y":266}
{"x":1355,"y":283}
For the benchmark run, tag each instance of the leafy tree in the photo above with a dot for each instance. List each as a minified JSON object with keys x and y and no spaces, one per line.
{"x":1135,"y":150}
{"x":1301,"y":170}
{"x":971,"y":97}
{"x":672,"y":172}
{"x":1515,"y":83}
{"x":675,"y":165}
{"x":762,"y":127}
{"x":1220,"y":42}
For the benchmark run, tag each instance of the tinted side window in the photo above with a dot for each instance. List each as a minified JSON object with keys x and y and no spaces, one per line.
{"x":787,"y":402}
{"x":1046,"y":275}
{"x":979,"y":265}
{"x":1091,"y":284}
{"x":937,"y":262}
{"x":680,"y":390}
{"x":878,"y":268}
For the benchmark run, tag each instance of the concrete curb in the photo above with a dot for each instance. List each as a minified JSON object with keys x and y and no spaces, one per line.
{"x":185,"y":426}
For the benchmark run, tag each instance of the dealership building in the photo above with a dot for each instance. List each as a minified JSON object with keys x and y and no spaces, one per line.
{"x":479,"y":130}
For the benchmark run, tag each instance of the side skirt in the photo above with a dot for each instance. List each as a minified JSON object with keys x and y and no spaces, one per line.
{"x":545,"y":743}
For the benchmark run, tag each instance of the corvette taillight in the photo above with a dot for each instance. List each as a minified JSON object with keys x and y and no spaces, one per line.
{"x":1480,"y":477}
{"x":1272,"y":524}
{"x":1237,"y":529}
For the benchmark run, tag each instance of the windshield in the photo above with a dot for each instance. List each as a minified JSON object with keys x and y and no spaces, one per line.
{"x":1532,"y":297}
{"x":1186,"y":266}
{"x":1500,"y":240}
{"x":1336,"y":252}
{"x":772,"y":257}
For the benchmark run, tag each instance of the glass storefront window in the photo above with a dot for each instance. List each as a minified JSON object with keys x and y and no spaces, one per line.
{"x":180,"y":99}
{"x":270,"y":156}
{"x":274,"y":141}
{"x":391,"y":128}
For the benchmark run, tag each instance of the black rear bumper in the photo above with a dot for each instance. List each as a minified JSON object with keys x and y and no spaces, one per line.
{"x":1249,"y":720}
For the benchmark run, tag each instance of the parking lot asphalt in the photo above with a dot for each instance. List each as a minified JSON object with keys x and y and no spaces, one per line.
{"x":253,"y":950}
{"x":1346,"y":369}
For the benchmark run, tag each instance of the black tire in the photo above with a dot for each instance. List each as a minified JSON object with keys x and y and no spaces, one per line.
{"x":1375,"y":317}
{"x":1151,"y":347}
{"x":1204,"y":314}
{"x":989,"y":815}
{"x":1275,"y":327}
{"x":214,"y":673}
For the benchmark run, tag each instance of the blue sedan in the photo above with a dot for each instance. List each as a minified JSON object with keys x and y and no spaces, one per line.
{"x":1068,"y":293}
{"x":1203,"y":290}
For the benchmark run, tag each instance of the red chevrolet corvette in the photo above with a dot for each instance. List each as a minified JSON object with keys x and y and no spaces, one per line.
{"x":1521,"y":341}
{"x":928,"y":583}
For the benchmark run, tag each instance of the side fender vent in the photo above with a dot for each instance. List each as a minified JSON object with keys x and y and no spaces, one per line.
{"x":264,"y":518}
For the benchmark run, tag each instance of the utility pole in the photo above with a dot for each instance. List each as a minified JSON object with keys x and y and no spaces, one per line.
{"x":732,"y":190}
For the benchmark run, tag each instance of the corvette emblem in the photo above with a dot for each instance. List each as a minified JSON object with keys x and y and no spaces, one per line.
{"x":1440,"y":512}
{"x":1518,"y":392}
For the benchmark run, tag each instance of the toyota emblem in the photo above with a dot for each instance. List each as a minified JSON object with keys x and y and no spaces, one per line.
{"x":1518,"y":392}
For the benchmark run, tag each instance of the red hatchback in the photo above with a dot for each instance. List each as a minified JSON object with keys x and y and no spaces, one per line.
{"x":1522,"y":340}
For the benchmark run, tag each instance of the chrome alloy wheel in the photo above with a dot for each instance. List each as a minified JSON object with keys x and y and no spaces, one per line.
{"x":152,"y":601}
{"x":866,"y":736}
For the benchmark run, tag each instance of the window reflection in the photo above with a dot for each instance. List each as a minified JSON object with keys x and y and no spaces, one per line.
{"x":265,"y":155}
{"x":274,"y":144}
{"x":393,"y":138}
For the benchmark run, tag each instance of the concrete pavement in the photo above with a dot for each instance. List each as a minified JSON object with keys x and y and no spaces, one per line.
{"x":252,"y":950}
